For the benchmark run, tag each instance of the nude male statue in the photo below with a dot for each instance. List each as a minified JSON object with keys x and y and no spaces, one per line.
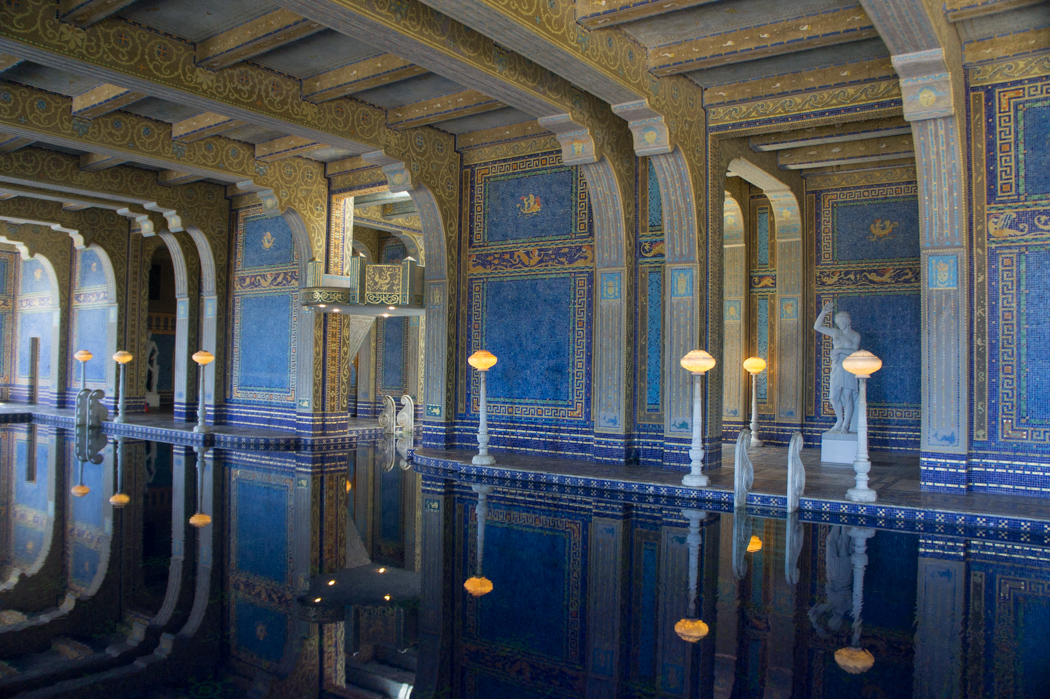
{"x":844,"y":386}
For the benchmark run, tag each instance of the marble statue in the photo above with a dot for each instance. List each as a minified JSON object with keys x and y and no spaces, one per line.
{"x":844,"y":385}
{"x":152,"y":371}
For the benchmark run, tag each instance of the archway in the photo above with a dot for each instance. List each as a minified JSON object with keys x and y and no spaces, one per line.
{"x":94,"y":320}
{"x":159,"y":356}
{"x":734,"y":315}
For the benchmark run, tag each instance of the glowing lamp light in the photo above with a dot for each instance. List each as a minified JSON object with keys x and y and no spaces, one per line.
{"x":862,"y":363}
{"x":386,"y":597}
{"x":122,"y":357}
{"x":331,"y":582}
{"x":349,"y":486}
{"x":119,"y":500}
{"x":691,"y":630}
{"x":854,"y":660}
{"x":382,"y":570}
{"x":80,"y":490}
{"x":203,"y":357}
{"x":754,"y":365}
{"x":478,"y":586}
{"x":82,"y":355}
{"x":698,"y":362}
{"x":482,"y":360}
{"x":322,"y":305}
{"x":317,"y":601}
{"x":755,"y":545}
{"x":200,"y":520}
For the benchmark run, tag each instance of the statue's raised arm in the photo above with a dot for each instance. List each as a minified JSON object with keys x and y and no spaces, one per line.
{"x":819,"y":325}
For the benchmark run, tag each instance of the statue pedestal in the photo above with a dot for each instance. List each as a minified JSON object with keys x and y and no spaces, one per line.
{"x":153,"y":400}
{"x":838,"y":447}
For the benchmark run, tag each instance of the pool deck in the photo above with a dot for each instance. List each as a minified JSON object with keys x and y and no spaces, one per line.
{"x":894,"y":476}
{"x":163,"y":427}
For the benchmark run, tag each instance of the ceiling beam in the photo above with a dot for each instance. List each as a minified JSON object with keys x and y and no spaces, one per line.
{"x":996,"y":47}
{"x":779,"y":38}
{"x":834,"y":133}
{"x":595,"y":14}
{"x":286,"y":147}
{"x":171,"y":178}
{"x":959,"y":10}
{"x":266,"y":33}
{"x":359,"y":76}
{"x":84,"y":13}
{"x":70,"y":206}
{"x":103,"y":100}
{"x":869,"y":151}
{"x":9,"y":143}
{"x":94,"y":162}
{"x":444,"y":108}
{"x":398,"y":208}
{"x":860,"y":167}
{"x":203,"y":125}
{"x":7,"y":61}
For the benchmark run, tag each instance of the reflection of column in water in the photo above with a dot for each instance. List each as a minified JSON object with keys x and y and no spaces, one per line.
{"x":855,"y":659}
{"x":691,"y":628}
{"x":478,"y":585}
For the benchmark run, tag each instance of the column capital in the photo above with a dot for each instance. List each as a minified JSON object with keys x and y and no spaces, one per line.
{"x":926,"y":84}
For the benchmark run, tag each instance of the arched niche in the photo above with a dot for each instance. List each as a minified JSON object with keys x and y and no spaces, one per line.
{"x":94,"y":319}
{"x":787,"y":311}
{"x":38,"y":279}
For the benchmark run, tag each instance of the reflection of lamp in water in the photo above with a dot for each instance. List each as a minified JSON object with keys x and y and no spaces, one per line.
{"x":120,"y":498}
{"x":754,"y":366}
{"x":83,"y":356}
{"x":862,"y":364}
{"x":697,"y":362}
{"x":854,"y":659}
{"x":755,"y":545}
{"x":482,"y":360}
{"x":203,"y":359}
{"x":691,"y":628}
{"x":80,"y":490}
{"x":122,"y":358}
{"x":199,"y":519}
{"x":478,"y":585}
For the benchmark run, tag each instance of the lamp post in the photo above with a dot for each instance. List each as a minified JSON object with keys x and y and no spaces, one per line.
{"x":862,"y":364}
{"x":83,"y":356}
{"x":482,"y":360}
{"x":754,"y":366}
{"x":692,"y":628}
{"x":122,"y":358}
{"x":120,"y":498}
{"x":478,"y":585}
{"x":697,"y":362}
{"x":203,"y":359}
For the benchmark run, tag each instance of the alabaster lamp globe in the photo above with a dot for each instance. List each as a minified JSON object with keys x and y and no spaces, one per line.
{"x":82,"y":356}
{"x":854,"y":660}
{"x":482,"y":360}
{"x":691,"y":630}
{"x":203,"y":357}
{"x":862,"y":363}
{"x":80,"y":490}
{"x":200,"y":520}
{"x":698,"y":362}
{"x":754,"y":365}
{"x":478,"y":586}
{"x":755,"y":545}
{"x":122,"y":357}
{"x":119,"y":500}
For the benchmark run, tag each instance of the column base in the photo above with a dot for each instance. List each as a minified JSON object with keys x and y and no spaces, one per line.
{"x":483,"y":460}
{"x":201,"y":429}
{"x":695,"y":480}
{"x":861,"y":495}
{"x":755,"y":442}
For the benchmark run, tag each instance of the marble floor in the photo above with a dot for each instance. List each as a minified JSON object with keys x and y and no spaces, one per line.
{"x":894,"y":476}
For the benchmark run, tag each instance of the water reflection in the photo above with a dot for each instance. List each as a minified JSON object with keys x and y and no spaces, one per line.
{"x":349,"y":572}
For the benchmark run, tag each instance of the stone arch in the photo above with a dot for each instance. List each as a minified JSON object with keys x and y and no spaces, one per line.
{"x":113,"y":305}
{"x":787,"y":215}
{"x":209,"y":309}
{"x":611,"y":358}
{"x":59,"y":324}
{"x":735,"y":307}
{"x":682,"y":314}
{"x":362,"y":250}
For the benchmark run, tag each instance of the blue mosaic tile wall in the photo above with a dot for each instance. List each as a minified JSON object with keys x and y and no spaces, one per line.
{"x":264,"y":314}
{"x":9,"y":265}
{"x":36,"y":307}
{"x":90,"y":318}
{"x":1009,"y":123}
{"x":762,"y":290}
{"x":649,"y":316}
{"x":866,"y":247}
{"x":527,"y":297}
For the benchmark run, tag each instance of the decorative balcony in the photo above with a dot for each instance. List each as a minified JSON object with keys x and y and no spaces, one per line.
{"x":372,"y":290}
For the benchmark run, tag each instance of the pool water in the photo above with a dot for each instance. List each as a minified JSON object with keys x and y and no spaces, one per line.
{"x":344,"y":574}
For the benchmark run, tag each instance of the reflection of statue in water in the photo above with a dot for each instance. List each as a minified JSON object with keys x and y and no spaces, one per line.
{"x":844,"y":386}
{"x":838,"y":590}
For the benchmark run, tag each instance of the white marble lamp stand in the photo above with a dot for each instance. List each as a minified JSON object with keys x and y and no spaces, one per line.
{"x":862,"y":364}
{"x":697,"y":362}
